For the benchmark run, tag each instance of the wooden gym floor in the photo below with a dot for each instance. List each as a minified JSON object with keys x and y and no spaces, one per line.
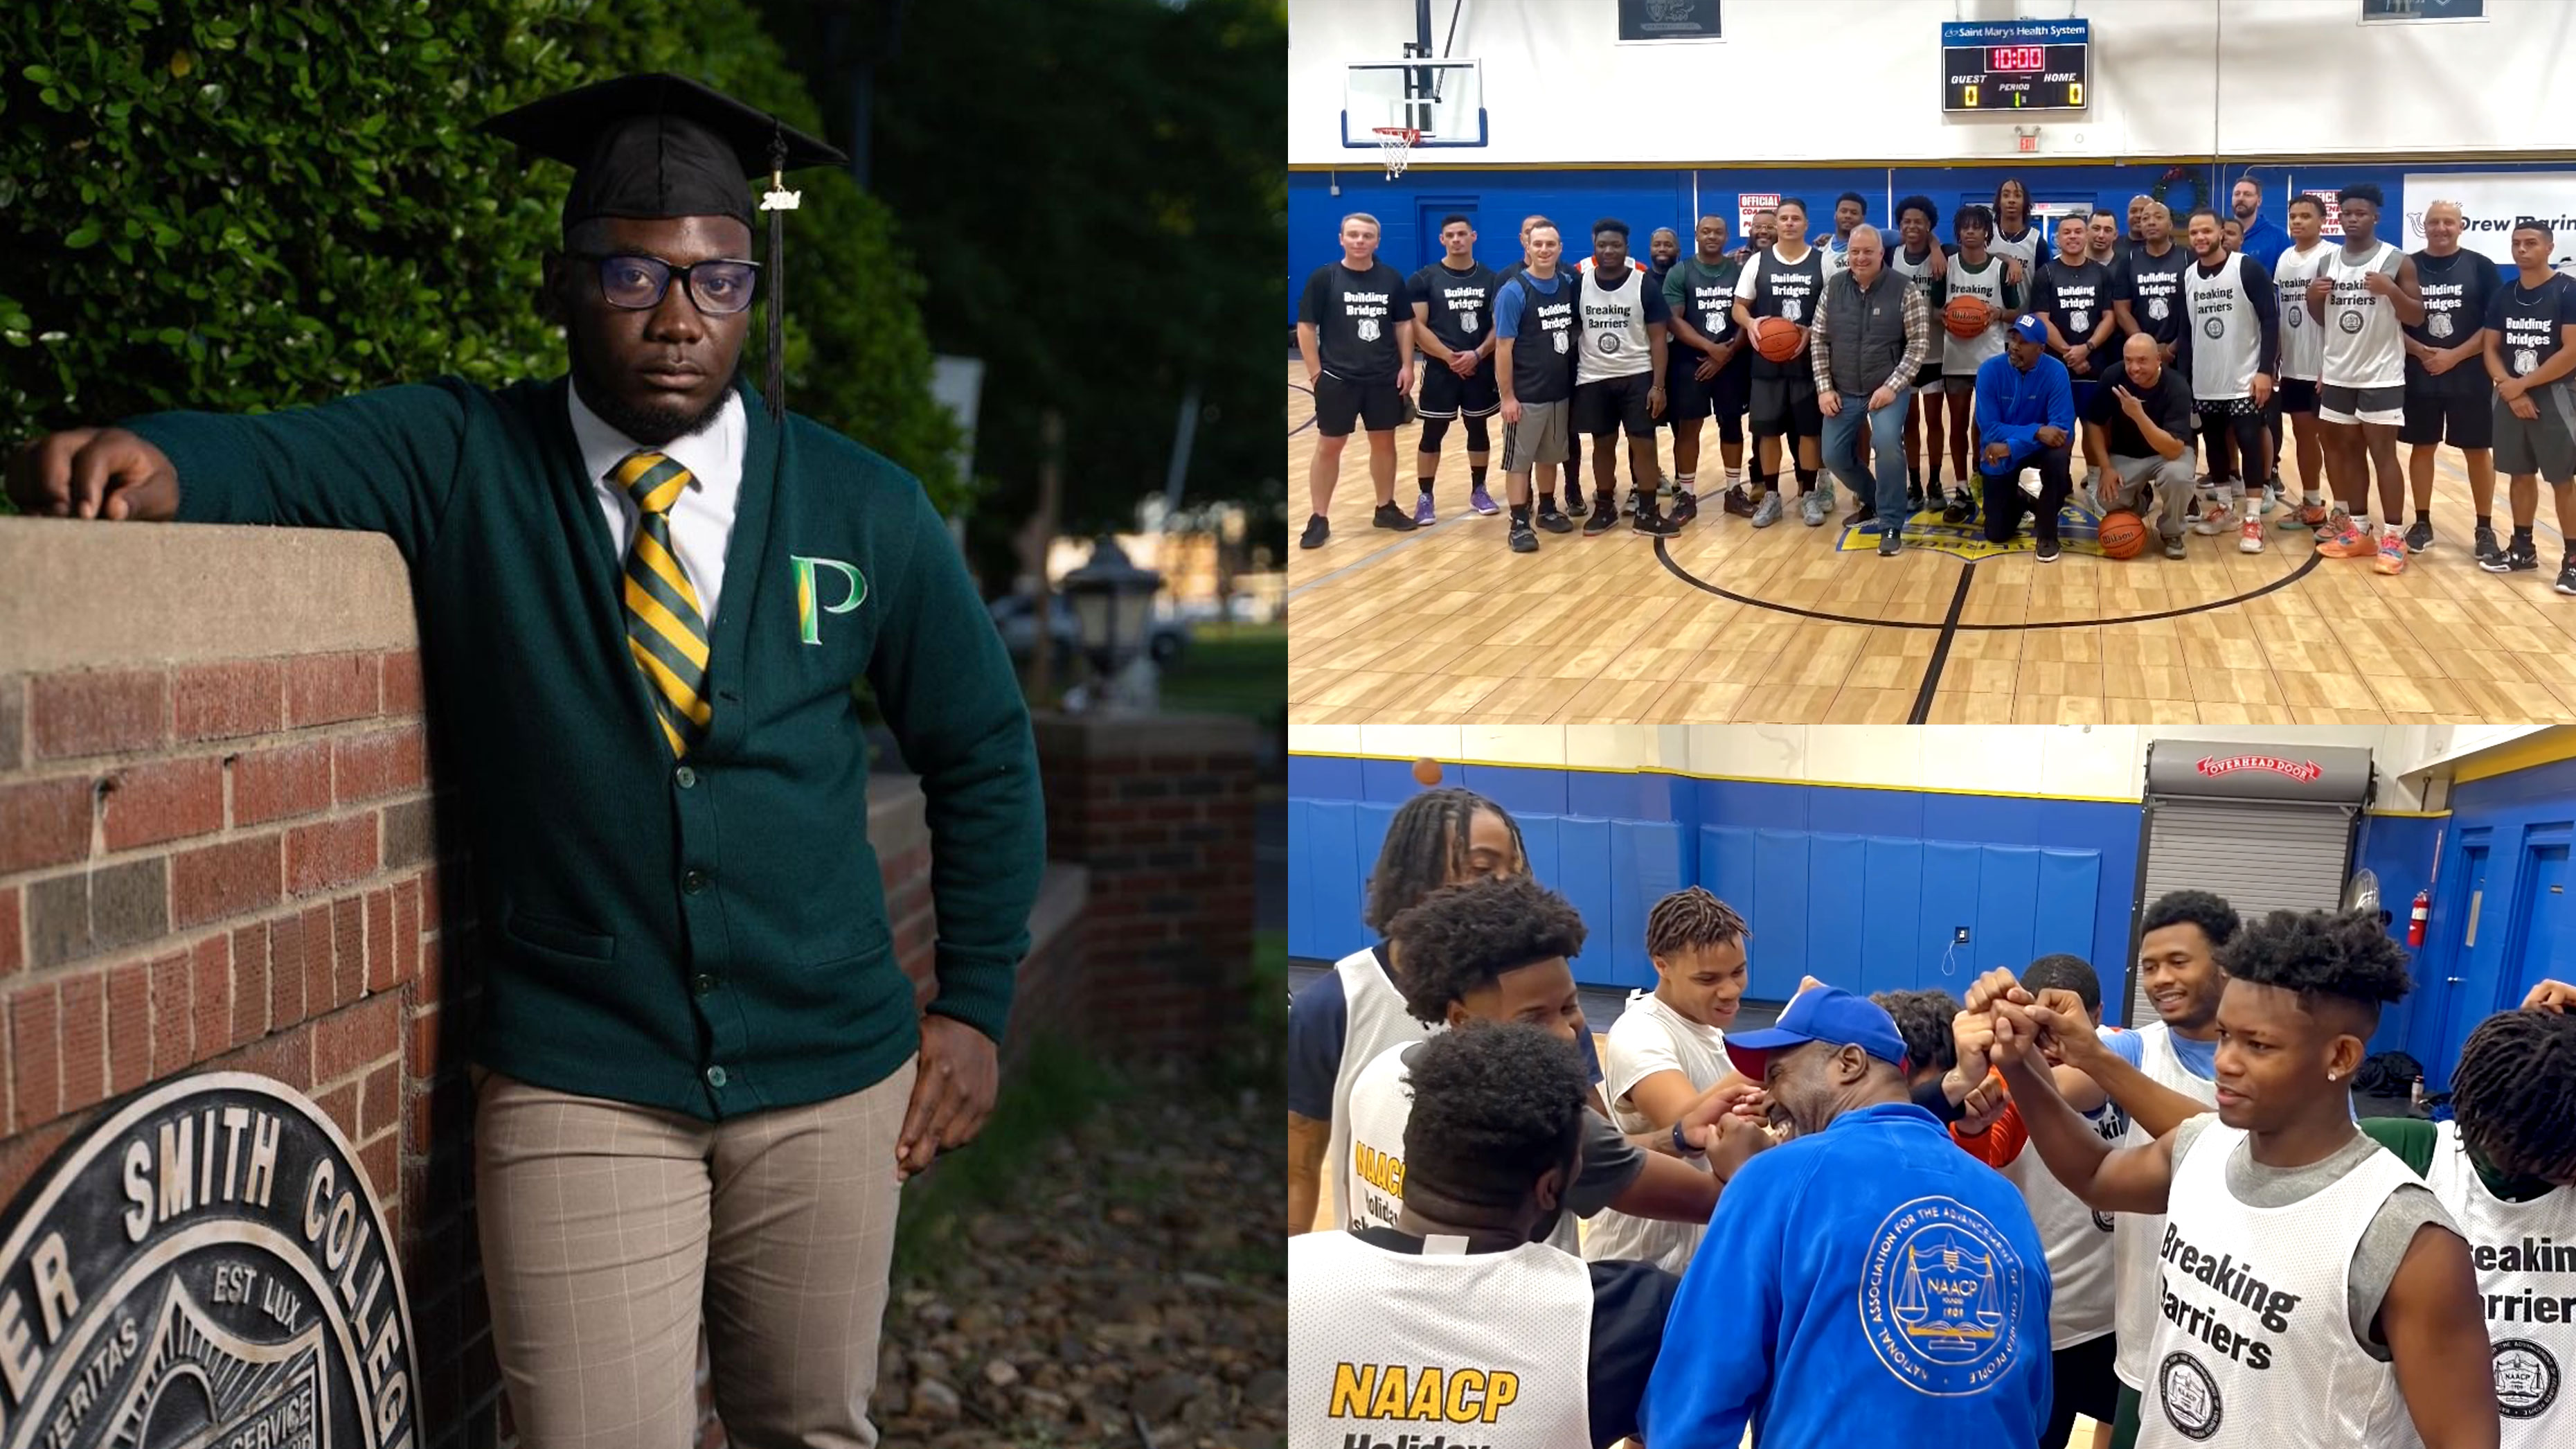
{"x":1446,"y":626}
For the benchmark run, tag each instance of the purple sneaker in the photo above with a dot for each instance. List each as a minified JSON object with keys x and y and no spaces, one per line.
{"x":1423,"y":514}
{"x":1482,"y":502}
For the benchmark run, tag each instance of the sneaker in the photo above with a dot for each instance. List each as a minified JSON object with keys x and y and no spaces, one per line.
{"x":1959,"y":509}
{"x":2490,"y":553}
{"x":2048,"y":550}
{"x":1483,"y":502}
{"x":1317,"y":532}
{"x":1685,"y":507}
{"x":1524,"y":539}
{"x":1573,"y":498}
{"x":2215,"y":518}
{"x":1424,"y":515}
{"x":1811,"y":509}
{"x":1649,"y":520}
{"x":2392,"y":553}
{"x":1913,"y":499}
{"x":2419,"y":537}
{"x":2567,"y":576}
{"x":1768,"y":511}
{"x":2343,"y":538}
{"x":1636,"y":499}
{"x":2308,"y":515}
{"x":1604,"y":515}
{"x":1890,"y":543}
{"x":2249,"y":537}
{"x":2271,"y":497}
{"x":1736,"y":501}
{"x":2520,"y":556}
{"x":2174,"y":546}
{"x":1390,"y":515}
{"x":1866,"y":513}
{"x":1553,"y":519}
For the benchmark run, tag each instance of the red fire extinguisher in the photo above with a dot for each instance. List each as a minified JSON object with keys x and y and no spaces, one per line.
{"x":2415,"y":919}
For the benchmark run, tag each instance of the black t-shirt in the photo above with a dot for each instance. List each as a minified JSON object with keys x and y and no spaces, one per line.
{"x":2528,"y":321}
{"x":2457,"y":289}
{"x":1461,"y":304}
{"x":2076,"y":298}
{"x":2168,"y":405}
{"x":2153,"y":286}
{"x":1354,"y":315}
{"x":1630,"y":1302}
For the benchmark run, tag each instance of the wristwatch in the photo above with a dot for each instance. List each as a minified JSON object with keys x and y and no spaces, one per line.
{"x":1681,"y":1144}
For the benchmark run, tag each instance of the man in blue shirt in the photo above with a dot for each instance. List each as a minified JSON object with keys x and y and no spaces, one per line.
{"x":2264,"y":241}
{"x":2025,"y":424}
{"x":1867,"y":1271}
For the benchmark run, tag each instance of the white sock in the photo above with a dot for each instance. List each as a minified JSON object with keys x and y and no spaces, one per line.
{"x":1682,"y":481}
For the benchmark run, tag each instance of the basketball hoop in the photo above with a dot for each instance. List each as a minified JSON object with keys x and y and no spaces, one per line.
{"x":1397,"y":143}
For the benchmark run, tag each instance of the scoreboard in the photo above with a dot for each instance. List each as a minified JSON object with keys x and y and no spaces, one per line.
{"x":2015,"y":65}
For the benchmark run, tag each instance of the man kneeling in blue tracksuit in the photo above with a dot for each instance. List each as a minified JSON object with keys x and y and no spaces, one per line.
{"x":2025,"y":419}
{"x":1865,"y":1272}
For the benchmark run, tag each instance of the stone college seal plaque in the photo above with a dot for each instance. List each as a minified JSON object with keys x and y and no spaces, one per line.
{"x":205,"y":1267}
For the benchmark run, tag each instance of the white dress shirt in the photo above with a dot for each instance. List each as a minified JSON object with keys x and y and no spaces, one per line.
{"x":702,"y":519}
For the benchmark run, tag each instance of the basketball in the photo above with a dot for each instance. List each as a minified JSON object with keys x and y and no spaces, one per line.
{"x":1426,"y":771}
{"x":2122,"y":535}
{"x":1775,"y":338}
{"x":1966,"y":316}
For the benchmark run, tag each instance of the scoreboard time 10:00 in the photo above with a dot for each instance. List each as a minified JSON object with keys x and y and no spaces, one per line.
{"x":2015,"y":65}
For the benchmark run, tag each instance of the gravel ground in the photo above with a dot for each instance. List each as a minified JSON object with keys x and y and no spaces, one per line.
{"x":1133,"y":1293}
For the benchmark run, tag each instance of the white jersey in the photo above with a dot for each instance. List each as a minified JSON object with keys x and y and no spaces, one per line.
{"x":1477,"y":1348}
{"x":1650,"y":1037}
{"x":1963,"y":356}
{"x":2024,"y":249}
{"x":2226,"y":335}
{"x":2253,"y":1346}
{"x":1372,"y":1175}
{"x":2303,"y":338}
{"x":2078,"y":1240}
{"x":1613,"y":322}
{"x":2135,"y":1236}
{"x":2364,"y":345}
{"x":1373,"y":1019}
{"x":2525,"y":1255}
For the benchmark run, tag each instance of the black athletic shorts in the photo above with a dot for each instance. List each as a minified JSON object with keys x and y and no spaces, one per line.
{"x":1341,"y":404}
{"x":1447,"y":395}
{"x":2295,"y":395}
{"x":2462,"y":418}
{"x":1723,"y":397}
{"x":1786,"y":406}
{"x":1615,"y":404}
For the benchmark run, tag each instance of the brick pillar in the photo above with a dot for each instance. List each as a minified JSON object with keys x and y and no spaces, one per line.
{"x":1159,"y":810}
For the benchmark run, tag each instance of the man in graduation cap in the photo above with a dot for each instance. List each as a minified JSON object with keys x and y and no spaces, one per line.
{"x":645,"y":591}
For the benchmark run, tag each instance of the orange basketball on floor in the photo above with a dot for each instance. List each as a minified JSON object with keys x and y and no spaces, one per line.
{"x":2122,"y":535}
{"x":1775,"y":338}
{"x":1966,"y":316}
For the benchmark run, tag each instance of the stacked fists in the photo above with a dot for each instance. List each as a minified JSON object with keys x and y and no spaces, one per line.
{"x":2003,"y":1021}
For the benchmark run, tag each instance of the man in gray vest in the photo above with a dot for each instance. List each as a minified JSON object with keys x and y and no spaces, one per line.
{"x":1873,"y":329}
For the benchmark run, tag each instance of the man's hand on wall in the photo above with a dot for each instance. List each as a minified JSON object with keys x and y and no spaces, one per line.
{"x":94,"y":473}
{"x":952,"y":1094}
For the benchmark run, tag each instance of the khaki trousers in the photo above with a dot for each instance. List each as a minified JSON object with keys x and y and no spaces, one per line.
{"x":611,"y":1232}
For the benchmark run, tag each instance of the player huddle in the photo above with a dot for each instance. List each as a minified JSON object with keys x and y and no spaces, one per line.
{"x":1912,"y":1217}
{"x":2041,"y":345}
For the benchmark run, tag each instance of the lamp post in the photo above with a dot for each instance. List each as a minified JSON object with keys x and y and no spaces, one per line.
{"x":1113,"y":614}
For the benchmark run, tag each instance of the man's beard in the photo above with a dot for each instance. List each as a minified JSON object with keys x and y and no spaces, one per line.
{"x":654,"y":427}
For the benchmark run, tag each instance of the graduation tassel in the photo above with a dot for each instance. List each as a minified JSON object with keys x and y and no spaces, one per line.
{"x":779,"y":199}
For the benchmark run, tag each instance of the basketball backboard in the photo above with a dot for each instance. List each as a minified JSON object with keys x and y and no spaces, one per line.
{"x":1443,"y":99}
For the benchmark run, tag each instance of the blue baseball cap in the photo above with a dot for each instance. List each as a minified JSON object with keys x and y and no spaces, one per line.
{"x":2030,"y":327}
{"x":1826,"y":1014}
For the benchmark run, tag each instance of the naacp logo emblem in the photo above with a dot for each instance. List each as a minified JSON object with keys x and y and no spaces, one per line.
{"x":203,"y":1268}
{"x":1608,"y":343}
{"x":2215,"y":327}
{"x":1941,"y":1297}
{"x":2349,"y":322}
{"x":2526,"y":1378}
{"x":1368,"y":329}
{"x":2296,"y":314}
{"x":2189,"y":1396}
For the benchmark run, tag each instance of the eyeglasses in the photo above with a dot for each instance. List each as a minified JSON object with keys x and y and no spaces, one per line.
{"x":638,"y":284}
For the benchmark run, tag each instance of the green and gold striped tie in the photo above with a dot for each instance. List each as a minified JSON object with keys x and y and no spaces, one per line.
{"x":666,"y":629}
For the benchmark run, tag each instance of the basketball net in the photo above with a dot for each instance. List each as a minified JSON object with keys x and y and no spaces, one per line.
{"x":1397,"y":143}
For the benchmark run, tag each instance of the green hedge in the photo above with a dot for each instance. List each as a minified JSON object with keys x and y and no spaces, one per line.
{"x":250,"y":206}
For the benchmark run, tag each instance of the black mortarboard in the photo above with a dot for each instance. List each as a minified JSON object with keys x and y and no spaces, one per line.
{"x":657,"y":146}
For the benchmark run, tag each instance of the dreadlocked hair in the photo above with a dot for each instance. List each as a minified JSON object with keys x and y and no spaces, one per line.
{"x":1426,"y":847}
{"x":1691,"y":918}
{"x":2510,"y":1093}
{"x":1494,"y":1105}
{"x":2345,"y":954}
{"x":1461,"y":938}
{"x":1923,"y":1019}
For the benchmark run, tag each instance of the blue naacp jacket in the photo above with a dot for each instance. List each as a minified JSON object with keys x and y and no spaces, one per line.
{"x":2013,"y":405}
{"x":1871,"y":1274}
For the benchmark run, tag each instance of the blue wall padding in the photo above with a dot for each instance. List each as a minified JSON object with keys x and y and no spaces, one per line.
{"x":2514,"y":815}
{"x":1860,"y":887}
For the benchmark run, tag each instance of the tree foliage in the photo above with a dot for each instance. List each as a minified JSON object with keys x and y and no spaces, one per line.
{"x":243,"y":207}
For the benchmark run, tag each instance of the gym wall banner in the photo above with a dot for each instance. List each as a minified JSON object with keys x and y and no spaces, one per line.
{"x":204,"y":1265}
{"x":2490,"y":202}
{"x":1749,"y":204}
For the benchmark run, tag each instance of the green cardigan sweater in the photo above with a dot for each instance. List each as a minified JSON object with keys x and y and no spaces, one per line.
{"x":707,"y":936}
